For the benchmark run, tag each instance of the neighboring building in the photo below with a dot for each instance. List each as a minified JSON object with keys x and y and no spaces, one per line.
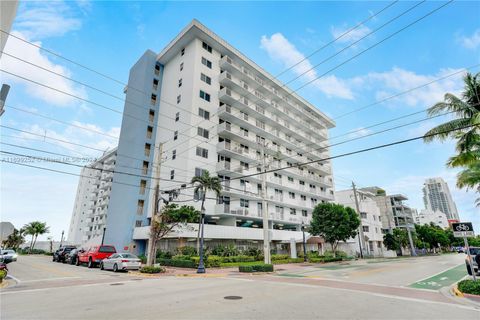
{"x":370,"y":215}
{"x":8,"y":10}
{"x":436,"y":196}
{"x":210,"y":107}
{"x":427,"y":216}
{"x":394,"y":212}
{"x":6,"y":229}
{"x":91,"y":202}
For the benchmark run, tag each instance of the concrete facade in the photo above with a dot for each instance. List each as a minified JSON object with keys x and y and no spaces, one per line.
{"x":427,"y":216}
{"x":437,"y":196}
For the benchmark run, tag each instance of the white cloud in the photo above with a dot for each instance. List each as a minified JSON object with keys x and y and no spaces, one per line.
{"x":284,"y":52}
{"x":351,"y":36}
{"x":471,"y":42}
{"x":397,"y":80}
{"x":34,"y":55}
{"x":38,"y":20}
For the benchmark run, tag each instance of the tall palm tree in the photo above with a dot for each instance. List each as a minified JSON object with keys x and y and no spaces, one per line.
{"x":467,"y":114}
{"x":203,"y":184}
{"x":35,"y":229}
{"x":470,"y":178}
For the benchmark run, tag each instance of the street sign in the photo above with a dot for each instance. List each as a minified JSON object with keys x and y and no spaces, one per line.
{"x":462,"y":229}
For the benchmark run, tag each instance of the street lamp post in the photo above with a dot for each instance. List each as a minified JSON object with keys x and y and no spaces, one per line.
{"x":201,"y":266}
{"x":304,"y":244}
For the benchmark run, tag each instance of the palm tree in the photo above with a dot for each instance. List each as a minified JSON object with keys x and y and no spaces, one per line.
{"x":14,"y":240}
{"x":35,"y":229}
{"x":467,"y":112}
{"x":464,"y":128}
{"x":203,"y":184}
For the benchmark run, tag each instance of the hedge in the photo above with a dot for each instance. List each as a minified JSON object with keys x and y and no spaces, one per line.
{"x":176,"y":263}
{"x":322,"y":259}
{"x":279,"y":257}
{"x":469,"y":286}
{"x":256,"y":268}
{"x":289,"y":260}
{"x":210,"y":261}
{"x":152,"y":269}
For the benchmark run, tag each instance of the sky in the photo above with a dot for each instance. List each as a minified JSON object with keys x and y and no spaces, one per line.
{"x":389,"y":54}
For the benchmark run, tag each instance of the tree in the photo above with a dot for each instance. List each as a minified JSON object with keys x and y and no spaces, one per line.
{"x":35,"y":229}
{"x":14,"y":240}
{"x":401,"y":238}
{"x":390,"y":242}
{"x":466,"y":131}
{"x":203,"y":184}
{"x":334,"y":223}
{"x":162,"y":224}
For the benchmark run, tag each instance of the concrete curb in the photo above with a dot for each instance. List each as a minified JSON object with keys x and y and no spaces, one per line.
{"x":454,"y":290}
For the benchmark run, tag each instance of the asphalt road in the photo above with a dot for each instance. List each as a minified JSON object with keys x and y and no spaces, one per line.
{"x":67,"y":292}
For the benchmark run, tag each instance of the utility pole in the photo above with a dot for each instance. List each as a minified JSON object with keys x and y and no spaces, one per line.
{"x":61,"y":239}
{"x":266,"y":231}
{"x":156,"y":210}
{"x":360,"y":229}
{"x":410,"y":240}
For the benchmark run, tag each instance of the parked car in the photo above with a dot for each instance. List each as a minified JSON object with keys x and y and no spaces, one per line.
{"x":94,"y":255}
{"x":60,"y":254}
{"x":460,"y":250}
{"x":121,"y":261}
{"x":473,"y":252}
{"x":9,"y":255}
{"x":71,"y":257}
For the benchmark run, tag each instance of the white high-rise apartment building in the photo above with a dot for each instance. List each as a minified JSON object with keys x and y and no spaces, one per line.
{"x":427,"y":216}
{"x":208,"y":107}
{"x":436,"y":196}
{"x":91,"y":202}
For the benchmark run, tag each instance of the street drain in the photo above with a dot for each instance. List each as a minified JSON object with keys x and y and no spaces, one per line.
{"x":116,"y":284}
{"x":232,"y":298}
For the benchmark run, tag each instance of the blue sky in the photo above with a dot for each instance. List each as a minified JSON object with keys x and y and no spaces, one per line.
{"x":110,"y":36}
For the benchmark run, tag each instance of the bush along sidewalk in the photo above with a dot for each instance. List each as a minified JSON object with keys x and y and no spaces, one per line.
{"x":256,"y":268}
{"x":149,"y":269}
{"x":469,"y":287}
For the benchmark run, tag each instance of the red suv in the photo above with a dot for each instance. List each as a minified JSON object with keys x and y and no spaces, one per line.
{"x":94,"y":255}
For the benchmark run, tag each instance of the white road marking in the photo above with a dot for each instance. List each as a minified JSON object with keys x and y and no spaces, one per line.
{"x":50,"y":279}
{"x":12,"y":277}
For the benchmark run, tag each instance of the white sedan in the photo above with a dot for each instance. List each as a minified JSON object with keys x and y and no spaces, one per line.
{"x":121,"y":261}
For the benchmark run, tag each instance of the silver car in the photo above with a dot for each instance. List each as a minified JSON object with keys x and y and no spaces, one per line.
{"x":121,"y":261}
{"x":9,"y":254}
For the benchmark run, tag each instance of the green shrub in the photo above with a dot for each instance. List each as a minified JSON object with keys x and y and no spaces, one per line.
{"x":320,"y":259}
{"x":164,"y":254}
{"x":210,"y":261}
{"x":469,"y":286}
{"x":152,"y":269}
{"x":238,"y":259}
{"x":332,"y":259}
{"x":253,"y":252}
{"x":176,"y":263}
{"x":142,"y":258}
{"x":34,"y":251}
{"x":181,"y":257}
{"x":289,"y":260}
{"x":256,"y":268}
{"x":3,"y":275}
{"x":225,"y":251}
{"x":187,"y":251}
{"x":48,"y":253}
{"x":338,"y":254}
{"x":280,"y":257}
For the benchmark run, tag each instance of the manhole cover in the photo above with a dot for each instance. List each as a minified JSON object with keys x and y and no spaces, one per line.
{"x":116,"y":284}
{"x":232,"y":298}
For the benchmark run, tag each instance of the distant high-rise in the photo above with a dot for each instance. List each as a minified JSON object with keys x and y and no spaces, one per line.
{"x":436,"y":196}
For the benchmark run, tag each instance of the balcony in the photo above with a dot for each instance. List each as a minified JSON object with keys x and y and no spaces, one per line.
{"x":233,"y":132}
{"x":236,"y":151}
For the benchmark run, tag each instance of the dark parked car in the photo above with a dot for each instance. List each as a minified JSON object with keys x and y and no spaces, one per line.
{"x":60,"y":254}
{"x":473,"y":253}
{"x":71,"y":257}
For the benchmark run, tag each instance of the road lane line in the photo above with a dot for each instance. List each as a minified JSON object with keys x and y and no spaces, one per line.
{"x":50,"y":279}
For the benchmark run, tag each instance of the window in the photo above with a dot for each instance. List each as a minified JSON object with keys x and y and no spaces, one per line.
{"x":206,"y":47}
{"x":244,"y":203}
{"x":147,"y":149}
{"x":244,"y":165}
{"x":363,"y":215}
{"x":172,"y":174}
{"x":303,"y":197}
{"x":174,"y":154}
{"x":302,"y":183}
{"x":155,"y":84}
{"x":157,"y":68}
{"x":244,"y":132}
{"x":304,"y":213}
{"x":244,"y":115}
{"x":205,"y":79}
{"x":179,"y":82}
{"x":151,"y":115}
{"x":175,"y":135}
{"x":293,"y":211}
{"x":149,"y":132}
{"x":207,"y":63}
{"x":204,"y":113}
{"x":202,"y":132}
{"x":179,"y":98}
{"x":365,"y":228}
{"x":182,"y":52}
{"x":291,"y":195}
{"x":181,"y":66}
{"x":205,"y":96}
{"x":143,"y":186}
{"x":153,"y":98}
{"x":145,"y":167}
{"x":199,"y":172}
{"x":290,"y":179}
{"x":202,"y":152}
{"x":138,"y":223}
{"x":140,"y":205}
{"x":177,"y":116}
